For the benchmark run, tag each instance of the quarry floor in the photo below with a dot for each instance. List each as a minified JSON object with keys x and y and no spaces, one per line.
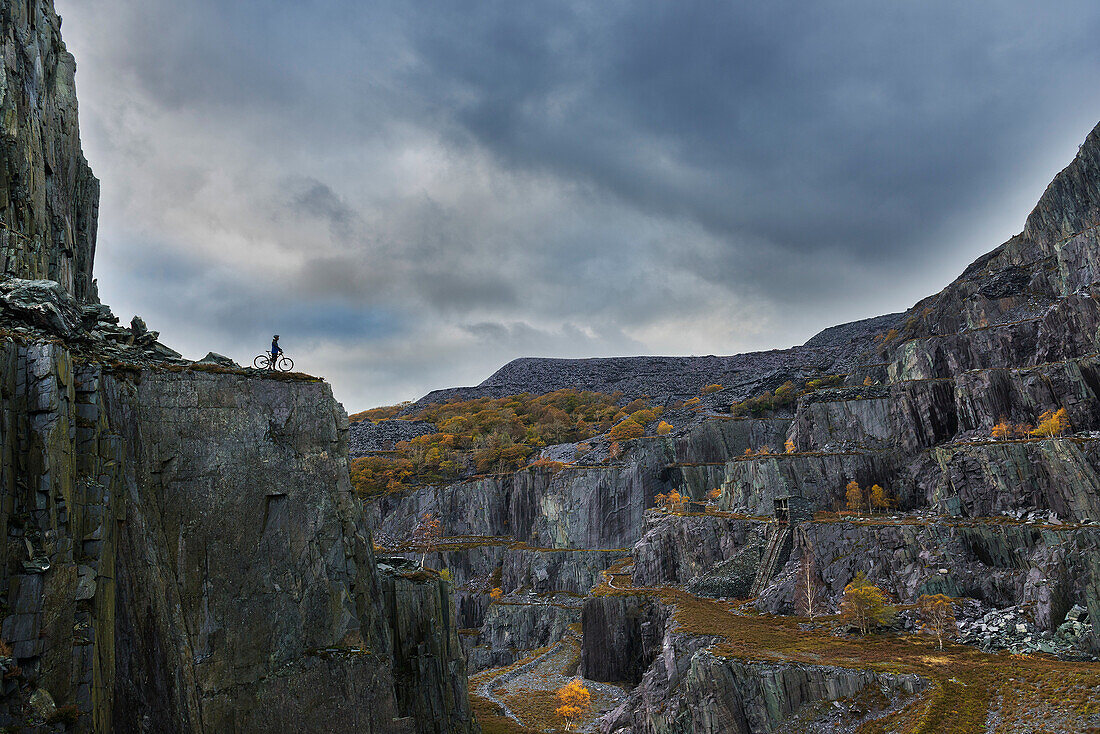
{"x":970,"y":691}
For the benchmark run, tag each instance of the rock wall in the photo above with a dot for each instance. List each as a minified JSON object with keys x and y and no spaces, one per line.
{"x":49,"y":199}
{"x":184,"y":553}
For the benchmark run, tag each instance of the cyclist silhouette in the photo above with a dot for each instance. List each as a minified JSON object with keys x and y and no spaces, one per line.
{"x":276,"y":359}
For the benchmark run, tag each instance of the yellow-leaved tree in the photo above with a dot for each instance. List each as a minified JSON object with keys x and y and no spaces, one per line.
{"x":789,"y":447}
{"x":575,"y":700}
{"x":937,"y":615}
{"x":878,"y":499}
{"x":664,"y":428}
{"x":1052,"y":423}
{"x":626,"y":430}
{"x":865,"y":605}
{"x":854,"y":495}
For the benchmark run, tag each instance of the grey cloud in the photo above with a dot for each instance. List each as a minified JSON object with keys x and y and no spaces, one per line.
{"x":422,"y":191}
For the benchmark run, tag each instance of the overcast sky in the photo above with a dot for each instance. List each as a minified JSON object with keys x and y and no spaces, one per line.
{"x":413,"y":193}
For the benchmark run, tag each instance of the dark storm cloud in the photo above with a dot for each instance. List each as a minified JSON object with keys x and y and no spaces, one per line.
{"x":422,"y":191}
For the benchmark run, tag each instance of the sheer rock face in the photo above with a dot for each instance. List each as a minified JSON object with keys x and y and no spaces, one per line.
{"x":185,"y":554}
{"x":49,"y":199}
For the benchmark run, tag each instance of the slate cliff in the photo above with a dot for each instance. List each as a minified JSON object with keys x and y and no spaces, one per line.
{"x":1008,"y":523}
{"x":182,"y":551}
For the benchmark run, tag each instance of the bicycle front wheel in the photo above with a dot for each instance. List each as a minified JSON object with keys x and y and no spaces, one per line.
{"x":262,"y":362}
{"x":286,"y":364}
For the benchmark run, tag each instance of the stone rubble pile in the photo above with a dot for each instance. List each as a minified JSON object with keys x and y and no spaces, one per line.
{"x":1011,"y":629}
{"x":365,"y":437}
{"x":34,"y":309}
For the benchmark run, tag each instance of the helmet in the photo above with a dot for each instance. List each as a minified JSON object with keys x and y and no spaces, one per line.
{"x":275,"y":337}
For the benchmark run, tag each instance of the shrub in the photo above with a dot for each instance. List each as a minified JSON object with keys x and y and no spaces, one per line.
{"x":643,"y":417}
{"x":710,"y":389}
{"x":378,"y":414}
{"x":826,"y":381}
{"x":714,"y":494}
{"x":865,"y":605}
{"x":663,"y":428}
{"x":626,"y":430}
{"x":63,"y":715}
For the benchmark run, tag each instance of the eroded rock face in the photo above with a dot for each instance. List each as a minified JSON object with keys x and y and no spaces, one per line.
{"x":282,"y":612}
{"x":49,"y":199}
{"x":184,"y":554}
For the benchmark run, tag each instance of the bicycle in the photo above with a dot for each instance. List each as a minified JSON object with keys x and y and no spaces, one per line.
{"x":281,"y":364}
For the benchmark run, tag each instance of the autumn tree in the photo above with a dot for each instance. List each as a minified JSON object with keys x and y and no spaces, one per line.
{"x":428,"y":533}
{"x":575,"y":700}
{"x":714,"y":494}
{"x":626,"y":429}
{"x":496,"y":593}
{"x":671,"y":502}
{"x":789,"y":447}
{"x":1003,"y":430}
{"x":937,"y":615}
{"x":865,"y":605}
{"x":867,"y":381}
{"x":708,"y":389}
{"x":854,"y":495}
{"x":878,"y":499}
{"x":664,"y":428}
{"x":809,"y":593}
{"x":1052,"y":423}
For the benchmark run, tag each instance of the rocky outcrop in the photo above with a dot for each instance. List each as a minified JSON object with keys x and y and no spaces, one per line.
{"x":49,"y":199}
{"x":715,"y":695}
{"x":622,"y":636}
{"x":130,"y":600}
{"x":429,"y":666}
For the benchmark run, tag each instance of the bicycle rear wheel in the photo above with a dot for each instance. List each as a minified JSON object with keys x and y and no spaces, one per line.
{"x":262,"y":362}
{"x":285,"y":364}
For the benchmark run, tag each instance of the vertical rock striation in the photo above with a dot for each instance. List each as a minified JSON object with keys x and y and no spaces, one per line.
{"x":49,"y":199}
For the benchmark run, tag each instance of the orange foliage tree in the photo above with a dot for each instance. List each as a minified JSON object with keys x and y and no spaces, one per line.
{"x":626,"y":430}
{"x":878,"y":499}
{"x":496,"y":593}
{"x":428,"y":533}
{"x":709,"y":389}
{"x":1052,"y":423}
{"x":789,"y":446}
{"x":671,"y":502}
{"x":865,"y":605}
{"x":663,"y":428}
{"x":937,"y":614}
{"x":1003,"y":430}
{"x":714,"y":494}
{"x":854,"y":495}
{"x":575,"y":700}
